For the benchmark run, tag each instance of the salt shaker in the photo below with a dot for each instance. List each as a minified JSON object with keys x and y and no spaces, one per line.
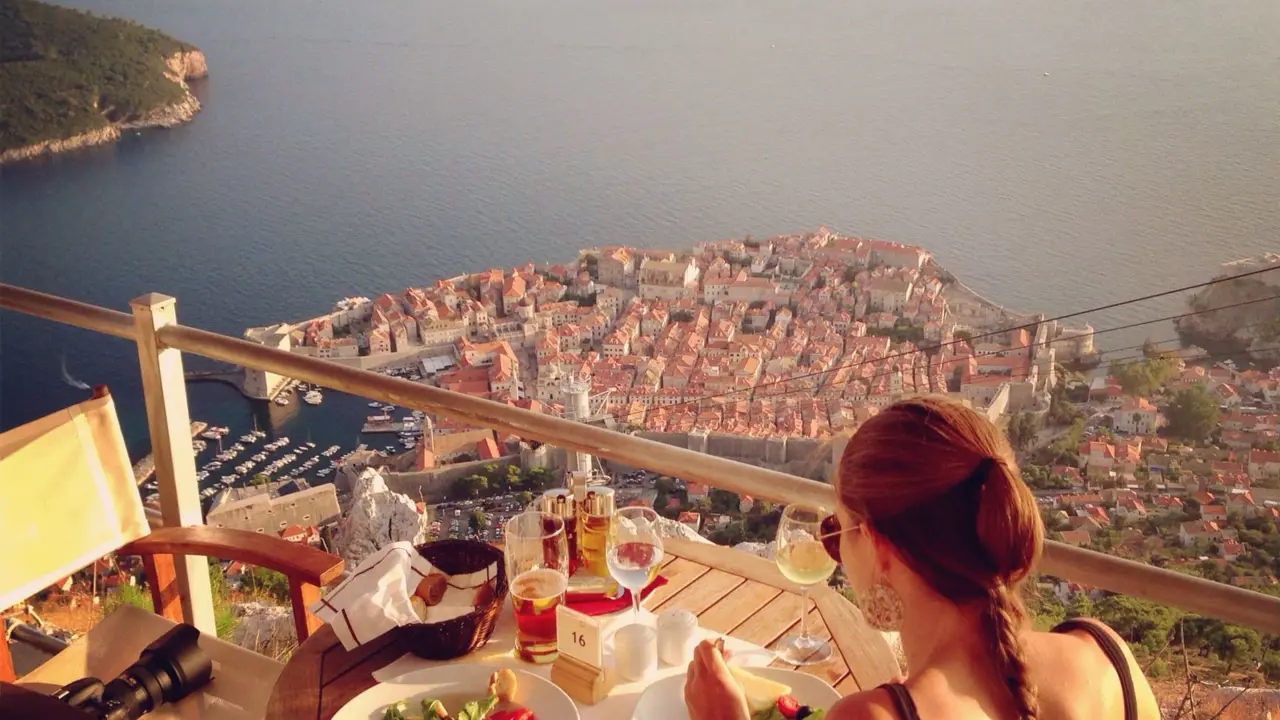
{"x":677,"y":634}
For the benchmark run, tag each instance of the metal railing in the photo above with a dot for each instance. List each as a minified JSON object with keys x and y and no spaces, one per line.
{"x":156,"y":332}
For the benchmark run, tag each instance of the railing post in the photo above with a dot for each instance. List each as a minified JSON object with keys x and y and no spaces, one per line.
{"x":169,"y":421}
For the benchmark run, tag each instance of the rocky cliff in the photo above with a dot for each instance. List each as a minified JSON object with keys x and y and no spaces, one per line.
{"x":1251,"y":329}
{"x":377,"y":518}
{"x":183,"y":66}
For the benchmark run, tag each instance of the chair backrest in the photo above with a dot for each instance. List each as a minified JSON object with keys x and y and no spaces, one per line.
{"x":67,"y":496}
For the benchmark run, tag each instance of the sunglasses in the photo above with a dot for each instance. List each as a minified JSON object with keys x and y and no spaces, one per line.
{"x":830,"y":537}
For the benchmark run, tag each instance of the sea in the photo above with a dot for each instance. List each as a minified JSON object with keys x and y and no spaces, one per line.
{"x":1054,"y":156}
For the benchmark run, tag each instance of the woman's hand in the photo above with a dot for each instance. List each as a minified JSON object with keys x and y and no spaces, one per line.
{"x":710,"y":692}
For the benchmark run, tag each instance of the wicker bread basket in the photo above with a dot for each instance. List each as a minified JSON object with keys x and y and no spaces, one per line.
{"x":461,"y":635}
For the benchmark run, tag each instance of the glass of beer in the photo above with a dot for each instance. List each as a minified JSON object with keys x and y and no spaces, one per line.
{"x":537,"y":559}
{"x":804,"y":561}
{"x":595,"y":518}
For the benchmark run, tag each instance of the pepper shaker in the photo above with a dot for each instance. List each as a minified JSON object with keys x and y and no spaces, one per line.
{"x":677,"y":634}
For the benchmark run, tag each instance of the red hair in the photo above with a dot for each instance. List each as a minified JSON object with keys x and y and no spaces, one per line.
{"x":939,"y":482}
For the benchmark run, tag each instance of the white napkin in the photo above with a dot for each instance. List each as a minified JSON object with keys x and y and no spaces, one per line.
{"x":375,"y":598}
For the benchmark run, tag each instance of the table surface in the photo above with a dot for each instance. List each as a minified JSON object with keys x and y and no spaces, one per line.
{"x":730,"y":591}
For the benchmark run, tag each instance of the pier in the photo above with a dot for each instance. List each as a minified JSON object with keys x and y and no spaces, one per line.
{"x":146,"y":467}
{"x":394,"y":427}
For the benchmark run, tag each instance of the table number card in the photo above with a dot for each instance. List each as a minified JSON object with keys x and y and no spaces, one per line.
{"x":579,"y":637}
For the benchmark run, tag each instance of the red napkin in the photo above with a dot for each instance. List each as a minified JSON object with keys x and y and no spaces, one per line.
{"x":597,"y":604}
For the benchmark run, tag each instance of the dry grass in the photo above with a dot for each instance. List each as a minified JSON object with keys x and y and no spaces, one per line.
{"x":1214,"y":703}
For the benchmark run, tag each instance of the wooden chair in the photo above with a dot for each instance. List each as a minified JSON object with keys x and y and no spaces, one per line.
{"x":68,"y":497}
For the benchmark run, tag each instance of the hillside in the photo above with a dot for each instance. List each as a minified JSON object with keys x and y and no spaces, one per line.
{"x":70,"y":79}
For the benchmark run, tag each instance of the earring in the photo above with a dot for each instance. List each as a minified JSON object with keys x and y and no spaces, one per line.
{"x":883,"y":607}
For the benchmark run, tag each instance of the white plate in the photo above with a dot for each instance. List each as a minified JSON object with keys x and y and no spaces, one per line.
{"x":664,"y":700}
{"x":454,"y":685}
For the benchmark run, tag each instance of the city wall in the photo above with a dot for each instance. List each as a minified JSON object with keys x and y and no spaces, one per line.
{"x":434,"y":484}
{"x":801,"y":456}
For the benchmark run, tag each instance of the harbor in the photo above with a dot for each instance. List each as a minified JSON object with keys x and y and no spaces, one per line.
{"x":146,"y":467}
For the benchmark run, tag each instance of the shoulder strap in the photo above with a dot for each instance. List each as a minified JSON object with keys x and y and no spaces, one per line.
{"x":902,"y":701}
{"x":1114,"y":653}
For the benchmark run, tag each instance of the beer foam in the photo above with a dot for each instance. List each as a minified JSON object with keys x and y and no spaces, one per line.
{"x":538,"y":584}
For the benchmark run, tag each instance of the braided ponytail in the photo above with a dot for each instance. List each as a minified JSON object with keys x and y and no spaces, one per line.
{"x":1002,"y":619}
{"x":1010,"y":533}
{"x":941,"y":484}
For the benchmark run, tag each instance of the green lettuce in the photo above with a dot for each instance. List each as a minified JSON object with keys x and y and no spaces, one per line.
{"x":478,"y":709}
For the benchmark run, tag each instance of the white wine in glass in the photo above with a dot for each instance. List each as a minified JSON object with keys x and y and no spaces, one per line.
{"x":804,"y":561}
{"x":634,"y":550}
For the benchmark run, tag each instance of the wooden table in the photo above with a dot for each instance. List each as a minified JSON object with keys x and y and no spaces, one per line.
{"x":731,"y":592}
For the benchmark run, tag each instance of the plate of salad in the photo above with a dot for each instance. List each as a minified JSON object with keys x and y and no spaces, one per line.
{"x":772,"y":694}
{"x":462,"y":691}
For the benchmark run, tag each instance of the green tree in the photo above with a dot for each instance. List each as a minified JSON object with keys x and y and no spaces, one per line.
{"x":523,"y":499}
{"x":1193,"y":414}
{"x":1271,"y":666}
{"x":260,"y":479}
{"x":1143,"y":377}
{"x":471,"y":486}
{"x":723,"y":501}
{"x":1237,"y":645}
{"x":267,"y":583}
{"x":1023,"y":429}
{"x":538,"y":479}
{"x":478,"y":521}
{"x":1139,"y":622}
{"x":1046,"y":609}
{"x":1061,"y":411}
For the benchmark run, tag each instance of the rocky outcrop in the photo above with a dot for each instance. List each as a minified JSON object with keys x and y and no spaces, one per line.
{"x":764,"y":550}
{"x":188,"y":65}
{"x":377,"y":518}
{"x":668,"y":528}
{"x":101,"y":136}
{"x":1252,"y":328}
{"x":183,"y":66}
{"x":262,"y":627}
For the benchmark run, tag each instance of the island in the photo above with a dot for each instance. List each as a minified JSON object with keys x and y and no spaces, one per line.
{"x":71,"y":79}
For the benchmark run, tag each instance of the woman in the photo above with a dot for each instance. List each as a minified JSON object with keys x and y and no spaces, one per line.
{"x":937,"y":533}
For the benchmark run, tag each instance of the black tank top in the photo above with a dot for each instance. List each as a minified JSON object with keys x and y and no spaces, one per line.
{"x":906,"y":707}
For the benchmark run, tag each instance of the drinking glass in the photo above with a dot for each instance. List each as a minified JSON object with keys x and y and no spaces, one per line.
{"x":537,"y":559}
{"x":804,"y":561}
{"x":634,"y":550}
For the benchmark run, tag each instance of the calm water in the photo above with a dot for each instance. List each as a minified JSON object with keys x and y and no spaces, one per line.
{"x":353,"y":147}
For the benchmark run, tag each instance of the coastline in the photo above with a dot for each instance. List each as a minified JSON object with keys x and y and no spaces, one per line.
{"x":183,"y":65}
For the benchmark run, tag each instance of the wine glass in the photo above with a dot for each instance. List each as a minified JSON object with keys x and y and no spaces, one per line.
{"x":804,"y":561}
{"x":633,"y":551}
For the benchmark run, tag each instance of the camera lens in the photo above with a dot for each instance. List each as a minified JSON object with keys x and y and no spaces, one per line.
{"x":132,"y":695}
{"x":167,"y":671}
